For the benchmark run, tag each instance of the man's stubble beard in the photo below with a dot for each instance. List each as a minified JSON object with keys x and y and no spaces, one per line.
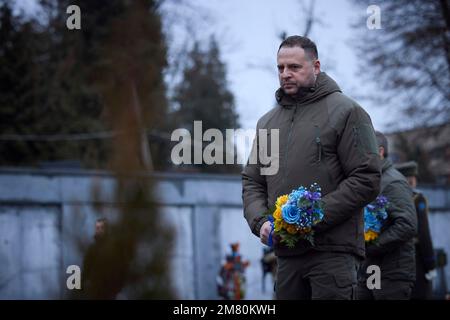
{"x":303,"y":90}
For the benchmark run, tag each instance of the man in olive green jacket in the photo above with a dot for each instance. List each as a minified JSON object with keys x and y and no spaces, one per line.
{"x":393,"y":251}
{"x":324,"y":138}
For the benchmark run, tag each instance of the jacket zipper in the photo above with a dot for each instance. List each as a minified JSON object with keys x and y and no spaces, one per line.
{"x":288,"y":143}
{"x":318,"y":143}
{"x":355,"y":133}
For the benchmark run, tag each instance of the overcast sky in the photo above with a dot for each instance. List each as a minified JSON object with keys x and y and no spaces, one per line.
{"x":248,"y":33}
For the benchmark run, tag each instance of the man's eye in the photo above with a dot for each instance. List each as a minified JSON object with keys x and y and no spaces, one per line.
{"x":280,"y":69}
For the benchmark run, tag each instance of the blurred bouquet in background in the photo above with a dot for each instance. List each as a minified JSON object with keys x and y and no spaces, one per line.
{"x":295,"y":214}
{"x":374,"y":216}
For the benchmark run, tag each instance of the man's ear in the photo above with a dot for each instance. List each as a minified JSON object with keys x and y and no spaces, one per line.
{"x":316,"y":65}
{"x":381,"y":152}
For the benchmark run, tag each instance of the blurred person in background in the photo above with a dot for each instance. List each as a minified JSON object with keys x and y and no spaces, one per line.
{"x":425,"y":258}
{"x":393,"y":251}
{"x":102,"y":278}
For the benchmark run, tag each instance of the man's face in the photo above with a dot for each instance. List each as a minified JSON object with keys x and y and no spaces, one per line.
{"x":100,"y":228}
{"x":412,"y":180}
{"x":296,"y":70}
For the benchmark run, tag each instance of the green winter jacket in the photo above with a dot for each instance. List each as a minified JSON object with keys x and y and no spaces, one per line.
{"x":394,"y":250}
{"x":325,"y":138}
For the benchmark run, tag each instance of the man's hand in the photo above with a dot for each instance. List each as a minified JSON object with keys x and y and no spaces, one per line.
{"x":430,"y":275}
{"x":265,"y":231}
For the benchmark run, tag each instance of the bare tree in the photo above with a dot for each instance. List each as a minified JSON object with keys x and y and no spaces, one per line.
{"x":409,"y":59}
{"x":308,"y":17}
{"x":182,"y":21}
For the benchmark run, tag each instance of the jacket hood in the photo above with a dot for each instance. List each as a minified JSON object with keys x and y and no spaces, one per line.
{"x":324,"y":86}
{"x":386,"y":164}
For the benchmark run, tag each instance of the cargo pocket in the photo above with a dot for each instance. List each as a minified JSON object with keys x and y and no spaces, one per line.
{"x":346,"y":287}
{"x":333,"y":287}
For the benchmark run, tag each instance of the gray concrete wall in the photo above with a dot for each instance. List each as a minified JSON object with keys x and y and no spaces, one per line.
{"x":43,"y":211}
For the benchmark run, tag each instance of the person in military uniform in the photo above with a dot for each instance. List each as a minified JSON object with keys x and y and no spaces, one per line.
{"x":425,"y":260}
{"x":393,"y":251}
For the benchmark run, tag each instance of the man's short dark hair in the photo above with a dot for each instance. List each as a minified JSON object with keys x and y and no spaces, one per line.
{"x":302,"y":42}
{"x":382,"y":142}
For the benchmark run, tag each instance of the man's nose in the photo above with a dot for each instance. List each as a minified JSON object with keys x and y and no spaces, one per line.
{"x":285,"y":74}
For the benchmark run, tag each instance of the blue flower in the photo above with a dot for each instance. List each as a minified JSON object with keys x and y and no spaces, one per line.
{"x":296,"y":195}
{"x":290,"y":213}
{"x":383,"y":215}
{"x":375,"y":214}
{"x":370,"y":225}
{"x":372,"y":221}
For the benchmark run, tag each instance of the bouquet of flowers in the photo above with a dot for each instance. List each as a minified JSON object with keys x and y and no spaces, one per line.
{"x":374,"y":216}
{"x":295,"y":214}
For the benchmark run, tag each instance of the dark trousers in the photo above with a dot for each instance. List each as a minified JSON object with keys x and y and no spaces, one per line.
{"x":390,"y":290}
{"x":423,"y":288}
{"x":317,"y":275}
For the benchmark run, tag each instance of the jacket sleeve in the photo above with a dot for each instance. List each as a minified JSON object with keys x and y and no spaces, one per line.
{"x":402,"y":219}
{"x":358,"y":153}
{"x":425,"y":243}
{"x":254,"y":191}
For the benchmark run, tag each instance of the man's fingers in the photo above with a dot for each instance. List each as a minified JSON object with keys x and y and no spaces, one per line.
{"x":264,"y":239}
{"x":265,"y":231}
{"x":265,"y":236}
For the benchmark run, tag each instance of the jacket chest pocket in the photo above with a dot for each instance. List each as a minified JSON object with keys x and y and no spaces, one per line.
{"x":311,"y":147}
{"x":322,"y":145}
{"x":311,"y":143}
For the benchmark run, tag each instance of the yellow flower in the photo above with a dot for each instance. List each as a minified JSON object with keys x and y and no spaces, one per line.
{"x":291,"y":229}
{"x":277,"y":225}
{"x":277,"y":214}
{"x":370,"y":235}
{"x":305,"y":230}
{"x":281,"y":200}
